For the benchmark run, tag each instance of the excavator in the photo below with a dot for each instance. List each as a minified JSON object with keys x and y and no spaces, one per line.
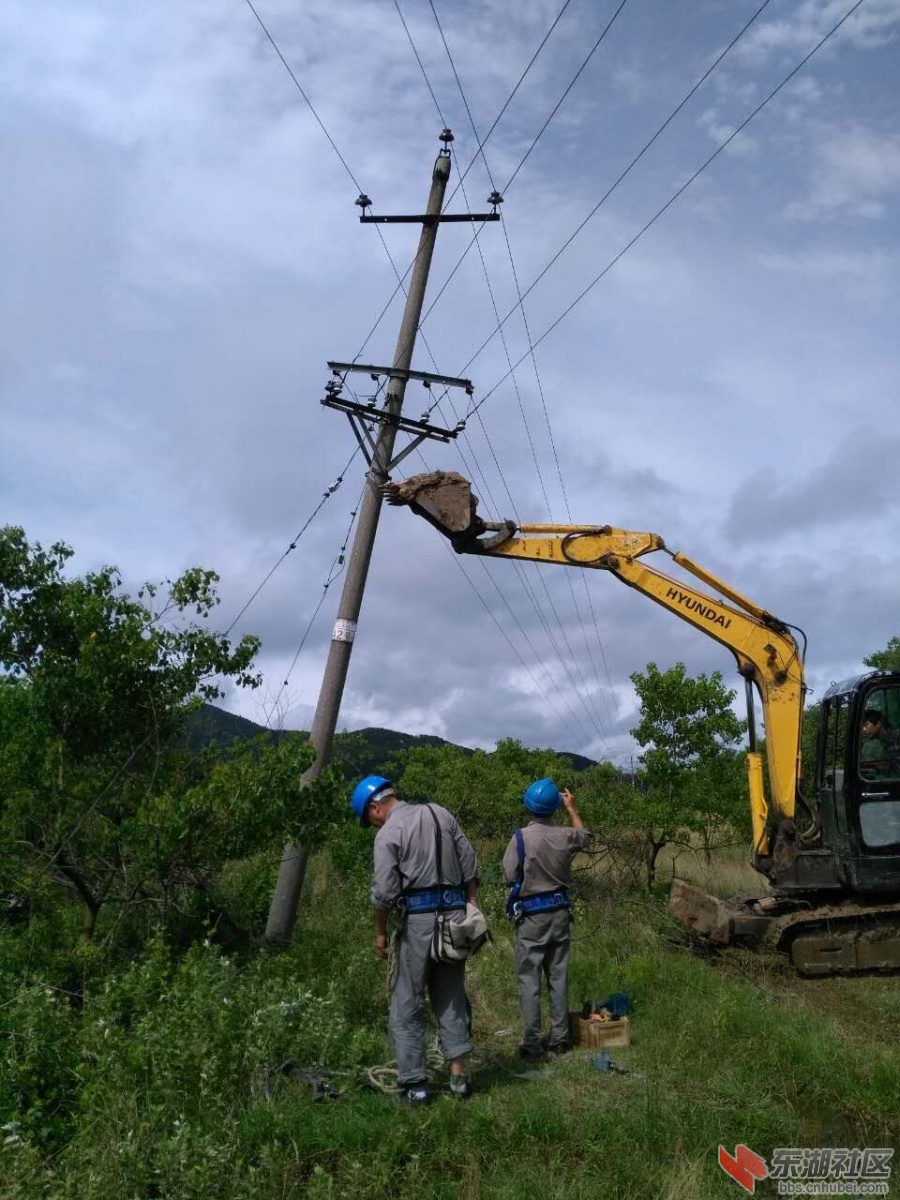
{"x":832,"y":859}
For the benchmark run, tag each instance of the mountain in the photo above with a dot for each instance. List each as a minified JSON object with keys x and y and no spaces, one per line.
{"x":362,"y":752}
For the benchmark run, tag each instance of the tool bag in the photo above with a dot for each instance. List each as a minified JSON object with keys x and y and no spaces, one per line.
{"x":455,"y":941}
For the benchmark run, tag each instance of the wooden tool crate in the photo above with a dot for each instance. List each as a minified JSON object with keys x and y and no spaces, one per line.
{"x":597,"y":1034}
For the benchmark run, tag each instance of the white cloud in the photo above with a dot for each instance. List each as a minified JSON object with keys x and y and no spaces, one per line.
{"x":855,"y":173}
{"x":181,"y":257}
{"x":873,"y":25}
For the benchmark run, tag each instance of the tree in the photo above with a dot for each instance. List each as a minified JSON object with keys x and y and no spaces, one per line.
{"x":484,"y":790}
{"x":97,"y":796}
{"x":887,"y":659}
{"x":689,"y":730}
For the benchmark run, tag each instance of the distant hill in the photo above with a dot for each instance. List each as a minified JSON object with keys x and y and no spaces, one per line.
{"x":361,"y":752}
{"x":209,"y":724}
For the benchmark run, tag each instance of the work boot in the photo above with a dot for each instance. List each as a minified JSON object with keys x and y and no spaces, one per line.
{"x":560,"y":1048}
{"x":416,"y":1095}
{"x":460,"y":1087}
{"x":528,"y":1054}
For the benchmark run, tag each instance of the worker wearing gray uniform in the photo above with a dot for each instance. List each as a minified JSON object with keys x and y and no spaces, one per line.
{"x":411,"y":841}
{"x":538,"y":866}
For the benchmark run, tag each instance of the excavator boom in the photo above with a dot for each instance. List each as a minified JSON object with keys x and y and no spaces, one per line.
{"x":765,"y":650}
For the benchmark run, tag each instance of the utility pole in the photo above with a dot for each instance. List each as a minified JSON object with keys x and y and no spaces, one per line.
{"x":286,"y":899}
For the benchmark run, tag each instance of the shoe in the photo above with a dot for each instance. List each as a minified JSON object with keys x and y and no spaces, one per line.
{"x":528,"y":1054}
{"x":460,"y":1088}
{"x":560,"y":1048}
{"x":416,"y":1095}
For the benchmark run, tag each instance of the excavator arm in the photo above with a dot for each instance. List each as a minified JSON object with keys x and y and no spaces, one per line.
{"x":765,"y":649}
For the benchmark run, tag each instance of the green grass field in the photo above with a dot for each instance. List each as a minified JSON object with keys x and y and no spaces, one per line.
{"x":161,"y":1085}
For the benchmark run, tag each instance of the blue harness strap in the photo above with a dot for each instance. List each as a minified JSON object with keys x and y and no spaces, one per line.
{"x":515,"y":889}
{"x":433,"y":899}
{"x":544,"y":902}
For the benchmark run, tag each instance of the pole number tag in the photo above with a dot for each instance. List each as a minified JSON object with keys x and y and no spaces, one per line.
{"x":344,"y":631}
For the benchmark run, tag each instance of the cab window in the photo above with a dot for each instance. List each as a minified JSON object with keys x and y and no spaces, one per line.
{"x":878,"y":745}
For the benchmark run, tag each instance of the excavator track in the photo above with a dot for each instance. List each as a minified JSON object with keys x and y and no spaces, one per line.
{"x":845,"y":939}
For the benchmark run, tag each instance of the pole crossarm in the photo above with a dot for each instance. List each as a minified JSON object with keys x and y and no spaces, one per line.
{"x":425,"y":377}
{"x":428,"y":220}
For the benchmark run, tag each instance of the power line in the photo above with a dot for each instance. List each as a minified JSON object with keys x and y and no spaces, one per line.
{"x":510,"y":98}
{"x":559,"y":102}
{"x":623,"y":174}
{"x":522,"y":631}
{"x":299,"y":88}
{"x":575,"y":658}
{"x":524,"y":158}
{"x":340,"y":559}
{"x":329,"y":491}
{"x":668,"y":204}
{"x":334,"y":571}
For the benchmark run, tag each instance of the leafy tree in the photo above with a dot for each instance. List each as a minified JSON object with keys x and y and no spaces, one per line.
{"x":689,"y":732}
{"x":97,"y":798}
{"x":484,"y":790}
{"x":887,"y":659}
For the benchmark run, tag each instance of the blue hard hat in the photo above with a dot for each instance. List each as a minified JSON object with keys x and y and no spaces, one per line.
{"x":542,"y":797}
{"x":367,"y":790}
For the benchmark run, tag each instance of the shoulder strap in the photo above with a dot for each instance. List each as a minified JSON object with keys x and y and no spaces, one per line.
{"x":516,"y":886}
{"x":520,"y":851}
{"x":438,"y":843}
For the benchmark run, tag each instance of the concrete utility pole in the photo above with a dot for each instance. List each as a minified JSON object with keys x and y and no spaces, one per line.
{"x":286,"y":899}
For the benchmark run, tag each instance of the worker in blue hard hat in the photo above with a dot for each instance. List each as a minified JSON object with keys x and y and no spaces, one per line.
{"x":538,"y":866}
{"x":424,"y":865}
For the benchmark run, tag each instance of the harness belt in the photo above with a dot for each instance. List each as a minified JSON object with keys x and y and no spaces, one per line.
{"x":542,"y":902}
{"x":433,"y":899}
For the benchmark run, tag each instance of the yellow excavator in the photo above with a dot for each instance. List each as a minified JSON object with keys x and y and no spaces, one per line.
{"x":834,"y":905}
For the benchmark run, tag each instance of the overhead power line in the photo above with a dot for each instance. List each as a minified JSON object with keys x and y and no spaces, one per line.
{"x":652,"y":221}
{"x":584,"y":693}
{"x":510,"y":98}
{"x":329,"y":492}
{"x":576,"y":659}
{"x":623,"y":174}
{"x":299,"y":87}
{"x":334,"y":571}
{"x":540,"y":133}
{"x":534,"y":142}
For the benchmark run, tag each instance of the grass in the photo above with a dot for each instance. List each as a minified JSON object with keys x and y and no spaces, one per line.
{"x":161,"y":1084}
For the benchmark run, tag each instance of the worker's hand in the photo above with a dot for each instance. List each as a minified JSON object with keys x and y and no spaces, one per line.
{"x":567,"y":798}
{"x":381,"y":945}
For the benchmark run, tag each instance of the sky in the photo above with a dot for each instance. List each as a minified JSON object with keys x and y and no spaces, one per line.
{"x":182,"y":256}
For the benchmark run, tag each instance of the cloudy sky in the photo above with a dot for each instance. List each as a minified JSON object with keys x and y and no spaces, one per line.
{"x":181,"y":256}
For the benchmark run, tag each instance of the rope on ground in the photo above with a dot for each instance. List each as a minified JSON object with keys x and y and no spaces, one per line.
{"x":384,"y":1078}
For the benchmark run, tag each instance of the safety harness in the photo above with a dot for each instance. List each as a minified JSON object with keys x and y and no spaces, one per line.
{"x":540,"y":901}
{"x":434,"y":899}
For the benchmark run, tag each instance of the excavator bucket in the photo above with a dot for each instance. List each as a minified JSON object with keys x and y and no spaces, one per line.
{"x":442,"y":497}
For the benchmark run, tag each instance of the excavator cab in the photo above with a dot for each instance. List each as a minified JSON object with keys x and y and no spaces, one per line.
{"x":858,"y":783}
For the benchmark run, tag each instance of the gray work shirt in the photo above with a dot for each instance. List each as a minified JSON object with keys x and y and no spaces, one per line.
{"x":406,"y":853}
{"x":548,"y":855}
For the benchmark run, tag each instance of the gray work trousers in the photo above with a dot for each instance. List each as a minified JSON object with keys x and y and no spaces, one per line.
{"x":542,"y":947}
{"x":445,"y":983}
